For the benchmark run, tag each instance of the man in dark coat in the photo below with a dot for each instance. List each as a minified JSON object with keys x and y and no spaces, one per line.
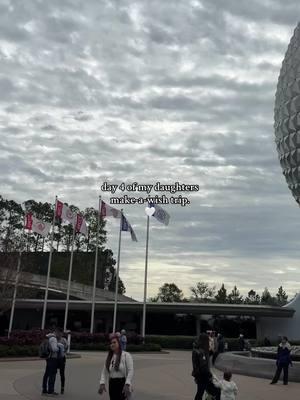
{"x":283,"y":361}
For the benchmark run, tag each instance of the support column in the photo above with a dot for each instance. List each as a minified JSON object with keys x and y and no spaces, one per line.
{"x":259,"y":331}
{"x":198,"y":324}
{"x":141,"y":324}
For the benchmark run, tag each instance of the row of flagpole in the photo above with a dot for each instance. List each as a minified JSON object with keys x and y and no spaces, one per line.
{"x":117,"y":276}
{"x":95,"y":268}
{"x":79,"y":225}
{"x":49,"y":267}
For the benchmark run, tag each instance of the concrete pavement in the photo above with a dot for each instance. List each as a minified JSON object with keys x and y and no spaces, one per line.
{"x":157,"y":377}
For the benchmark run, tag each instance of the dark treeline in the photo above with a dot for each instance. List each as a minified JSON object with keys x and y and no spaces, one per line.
{"x":11,"y":228}
{"x":12,"y":219}
{"x":204,"y":293}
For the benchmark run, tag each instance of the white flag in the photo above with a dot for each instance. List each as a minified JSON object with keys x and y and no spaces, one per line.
{"x":65,"y":213}
{"x":160,"y":214}
{"x":81,"y":226}
{"x":36,"y":225}
{"x":108,"y":211}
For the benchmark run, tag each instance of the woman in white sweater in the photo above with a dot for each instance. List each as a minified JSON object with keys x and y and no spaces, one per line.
{"x":117,"y":371}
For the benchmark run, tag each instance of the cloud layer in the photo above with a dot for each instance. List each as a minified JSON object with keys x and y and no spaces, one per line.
{"x":127,"y":91}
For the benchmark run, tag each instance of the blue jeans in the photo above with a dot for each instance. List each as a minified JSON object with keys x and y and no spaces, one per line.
{"x":50,"y":375}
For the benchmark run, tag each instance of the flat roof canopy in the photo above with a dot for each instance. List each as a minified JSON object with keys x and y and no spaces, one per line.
{"x":173,"y":308}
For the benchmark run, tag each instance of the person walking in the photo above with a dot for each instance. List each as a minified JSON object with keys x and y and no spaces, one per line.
{"x":228,"y":388}
{"x":241,"y":342}
{"x":123,"y":339}
{"x":51,"y":365}
{"x":283,"y":361}
{"x":201,"y":371}
{"x":117,"y":371}
{"x":62,"y":344}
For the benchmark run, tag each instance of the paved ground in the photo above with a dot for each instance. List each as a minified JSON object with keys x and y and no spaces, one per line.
{"x":157,"y":377}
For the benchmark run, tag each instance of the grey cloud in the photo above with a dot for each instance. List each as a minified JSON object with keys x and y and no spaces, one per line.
{"x":155,"y":91}
{"x":258,"y":10}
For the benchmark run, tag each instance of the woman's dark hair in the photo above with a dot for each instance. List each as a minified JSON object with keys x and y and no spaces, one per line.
{"x":111,"y":353}
{"x":227,"y":376}
{"x":285,"y":338}
{"x":203,"y":342}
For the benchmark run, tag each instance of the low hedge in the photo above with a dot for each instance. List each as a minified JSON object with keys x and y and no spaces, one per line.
{"x":35,"y":337}
{"x":18,"y":351}
{"x":172,"y":342}
{"x":186,"y":342}
{"x":33,"y":351}
{"x":102,"y":347}
{"x":98,"y":341}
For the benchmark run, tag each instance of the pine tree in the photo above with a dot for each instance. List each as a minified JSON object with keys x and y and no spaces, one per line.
{"x":267,"y":298}
{"x":281,"y":297}
{"x":221,"y":296}
{"x":252,"y":298}
{"x":235,"y":297}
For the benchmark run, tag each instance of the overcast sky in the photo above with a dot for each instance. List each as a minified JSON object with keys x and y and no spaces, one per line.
{"x":146,"y":91}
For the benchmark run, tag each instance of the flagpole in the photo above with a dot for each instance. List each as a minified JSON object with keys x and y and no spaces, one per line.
{"x":145,"y":283}
{"x":69,"y":280}
{"x":49,"y":268}
{"x":95,"y":269}
{"x":12,"y":313}
{"x":117,"y":278}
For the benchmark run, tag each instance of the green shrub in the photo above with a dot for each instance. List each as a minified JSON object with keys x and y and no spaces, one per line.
{"x":186,"y":342}
{"x":143,"y":347}
{"x":172,"y":342}
{"x":233,"y":344}
{"x":89,"y":346}
{"x":33,"y":351}
{"x":102,"y":347}
{"x":18,"y":351}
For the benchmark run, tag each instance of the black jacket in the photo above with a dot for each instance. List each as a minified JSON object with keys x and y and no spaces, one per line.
{"x":284,"y":355}
{"x":200,"y":361}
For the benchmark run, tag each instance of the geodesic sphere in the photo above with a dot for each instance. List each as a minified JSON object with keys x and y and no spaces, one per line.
{"x":287,"y":115}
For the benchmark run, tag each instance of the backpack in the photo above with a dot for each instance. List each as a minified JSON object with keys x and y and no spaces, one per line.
{"x":44,"y":350}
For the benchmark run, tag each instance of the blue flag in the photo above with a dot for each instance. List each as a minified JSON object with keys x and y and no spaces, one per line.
{"x":128,"y":228}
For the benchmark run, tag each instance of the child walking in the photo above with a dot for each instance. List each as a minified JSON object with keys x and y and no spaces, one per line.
{"x":228,"y":387}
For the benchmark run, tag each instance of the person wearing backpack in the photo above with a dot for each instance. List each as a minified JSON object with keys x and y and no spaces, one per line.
{"x":117,"y":371}
{"x":61,"y":361}
{"x":201,"y":371}
{"x":49,"y":350}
